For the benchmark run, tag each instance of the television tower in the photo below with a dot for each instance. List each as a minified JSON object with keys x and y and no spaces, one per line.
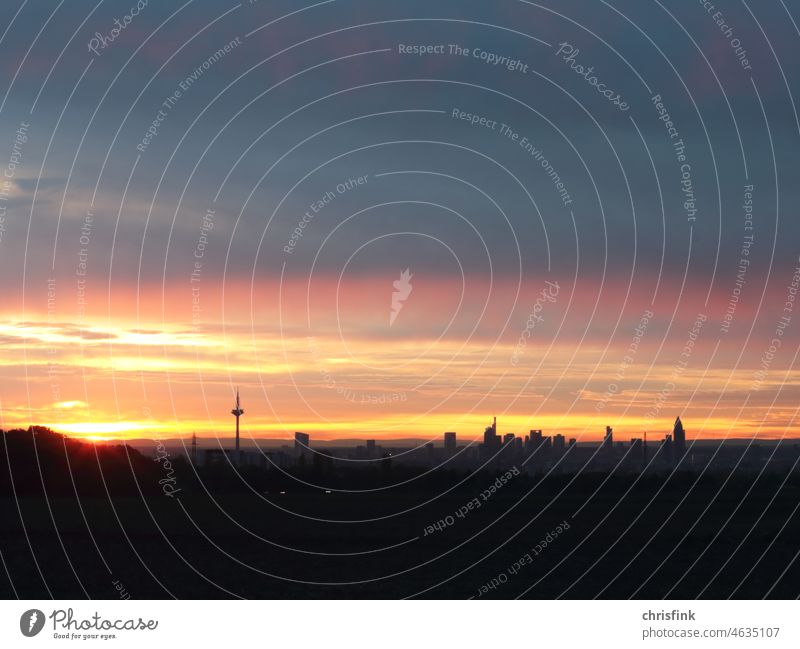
{"x":237,"y":412}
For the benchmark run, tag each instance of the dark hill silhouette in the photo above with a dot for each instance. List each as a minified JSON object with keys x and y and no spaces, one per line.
{"x":74,"y":524}
{"x":40,"y":461}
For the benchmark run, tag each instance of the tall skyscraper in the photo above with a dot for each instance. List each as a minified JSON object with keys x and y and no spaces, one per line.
{"x":559,"y":442}
{"x":301,"y":444}
{"x":679,"y":438}
{"x":608,"y":440}
{"x":449,"y":444}
{"x":490,"y":438}
{"x":667,"y":449}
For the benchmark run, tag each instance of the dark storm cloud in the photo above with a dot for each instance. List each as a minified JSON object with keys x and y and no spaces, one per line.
{"x":364,"y":129}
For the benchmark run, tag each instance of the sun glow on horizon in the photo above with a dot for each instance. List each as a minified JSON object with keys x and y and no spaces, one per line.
{"x":469,"y":428}
{"x":100,"y":430}
{"x":148,"y":377}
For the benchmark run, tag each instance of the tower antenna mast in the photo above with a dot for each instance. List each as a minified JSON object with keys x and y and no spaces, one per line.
{"x":237,"y":412}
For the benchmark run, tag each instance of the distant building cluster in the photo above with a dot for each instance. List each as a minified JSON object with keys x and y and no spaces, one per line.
{"x":534,"y":453}
{"x":537,"y":451}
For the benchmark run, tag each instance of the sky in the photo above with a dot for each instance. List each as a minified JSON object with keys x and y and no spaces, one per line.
{"x":595,"y":203}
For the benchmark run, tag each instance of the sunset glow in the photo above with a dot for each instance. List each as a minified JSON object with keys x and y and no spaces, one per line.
{"x":134,"y":377}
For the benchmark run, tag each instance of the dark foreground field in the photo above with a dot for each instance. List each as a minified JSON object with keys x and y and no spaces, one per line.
{"x":647,"y":538}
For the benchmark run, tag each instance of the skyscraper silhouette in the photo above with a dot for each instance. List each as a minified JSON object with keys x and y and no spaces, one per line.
{"x":679,"y":438}
{"x":449,"y":444}
{"x":608,"y":441}
{"x":490,"y":438}
{"x":667,"y":450}
{"x":302,"y":442}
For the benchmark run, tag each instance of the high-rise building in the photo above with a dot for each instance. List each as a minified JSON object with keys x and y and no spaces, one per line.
{"x":301,"y":444}
{"x":608,"y":440}
{"x":449,"y":444}
{"x":679,"y":438}
{"x":667,"y":449}
{"x":371,"y":448}
{"x":508,"y":438}
{"x":490,"y":438}
{"x":559,"y":442}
